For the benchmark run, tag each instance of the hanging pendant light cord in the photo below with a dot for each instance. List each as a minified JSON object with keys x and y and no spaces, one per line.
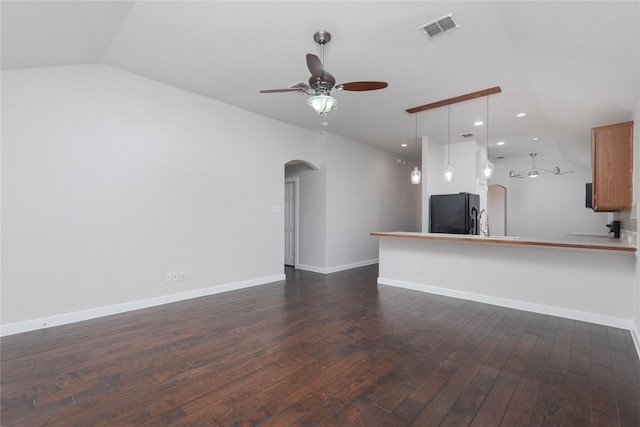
{"x":416,"y":139}
{"x":487,"y":129}
{"x":449,"y":138}
{"x":416,"y":175}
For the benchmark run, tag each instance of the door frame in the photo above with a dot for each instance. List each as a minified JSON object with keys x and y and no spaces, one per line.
{"x":296,"y":218}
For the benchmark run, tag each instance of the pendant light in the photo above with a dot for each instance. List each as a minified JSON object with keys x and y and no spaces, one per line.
{"x":448,"y":172}
{"x":487,"y":168}
{"x":416,"y":176}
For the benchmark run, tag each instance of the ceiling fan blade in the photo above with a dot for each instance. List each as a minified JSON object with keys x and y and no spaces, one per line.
{"x":328,"y":78}
{"x":318,"y":72}
{"x":288,"y":89}
{"x":298,"y":87}
{"x":315,"y":67}
{"x":362,"y":86}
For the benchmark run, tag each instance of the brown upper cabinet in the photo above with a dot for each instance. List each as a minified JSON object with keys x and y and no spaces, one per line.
{"x":612,"y":166}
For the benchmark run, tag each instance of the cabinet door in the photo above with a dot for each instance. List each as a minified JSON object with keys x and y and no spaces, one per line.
{"x":612,"y":168}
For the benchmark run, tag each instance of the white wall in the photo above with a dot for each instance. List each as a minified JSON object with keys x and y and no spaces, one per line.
{"x":432,"y":179}
{"x":588,"y":285}
{"x":109,"y":180}
{"x":357,"y":189}
{"x":366,"y":191}
{"x":549,"y":206}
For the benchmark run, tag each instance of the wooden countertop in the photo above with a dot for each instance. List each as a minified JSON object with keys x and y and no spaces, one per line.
{"x":575,"y":242}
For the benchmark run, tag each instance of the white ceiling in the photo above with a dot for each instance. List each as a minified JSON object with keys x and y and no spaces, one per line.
{"x":569,"y":65}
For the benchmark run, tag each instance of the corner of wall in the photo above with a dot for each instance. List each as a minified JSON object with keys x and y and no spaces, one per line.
{"x":635,"y":332}
{"x":628,"y":224}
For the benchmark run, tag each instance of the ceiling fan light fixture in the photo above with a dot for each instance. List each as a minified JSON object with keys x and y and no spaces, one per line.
{"x":322,"y":82}
{"x":322,"y":104}
{"x":534,"y":171}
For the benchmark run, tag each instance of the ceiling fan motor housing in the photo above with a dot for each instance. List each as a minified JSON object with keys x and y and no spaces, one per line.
{"x":322,"y":37}
{"x":320,"y":87}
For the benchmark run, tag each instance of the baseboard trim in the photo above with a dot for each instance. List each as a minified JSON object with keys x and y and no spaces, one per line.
{"x":329,"y":270}
{"x":519,"y":305}
{"x":635,"y":335}
{"x":310,"y":268}
{"x":78,"y":316}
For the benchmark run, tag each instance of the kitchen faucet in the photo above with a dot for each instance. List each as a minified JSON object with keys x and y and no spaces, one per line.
{"x":484,"y":230}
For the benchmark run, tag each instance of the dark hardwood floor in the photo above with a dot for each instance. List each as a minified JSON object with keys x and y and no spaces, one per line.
{"x":322,"y":350}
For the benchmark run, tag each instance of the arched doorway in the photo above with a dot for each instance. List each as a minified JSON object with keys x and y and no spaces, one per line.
{"x":497,"y":208}
{"x":298,"y":177}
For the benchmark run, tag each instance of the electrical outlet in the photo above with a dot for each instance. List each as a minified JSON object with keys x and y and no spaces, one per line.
{"x":174,"y":276}
{"x":167,"y":277}
{"x":183,"y":275}
{"x":418,"y":268}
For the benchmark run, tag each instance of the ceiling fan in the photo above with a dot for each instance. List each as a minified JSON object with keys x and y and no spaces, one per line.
{"x":535,"y":171}
{"x":322,"y":82}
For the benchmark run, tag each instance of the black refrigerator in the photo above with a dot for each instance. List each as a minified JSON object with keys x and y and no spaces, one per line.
{"x":454,"y":213}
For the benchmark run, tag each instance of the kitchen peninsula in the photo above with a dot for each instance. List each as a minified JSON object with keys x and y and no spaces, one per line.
{"x":584,"y":278}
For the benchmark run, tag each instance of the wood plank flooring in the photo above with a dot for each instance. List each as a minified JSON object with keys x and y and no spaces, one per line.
{"x":322,"y":350}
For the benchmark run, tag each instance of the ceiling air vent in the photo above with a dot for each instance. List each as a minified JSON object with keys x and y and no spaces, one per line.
{"x":440,"y":25}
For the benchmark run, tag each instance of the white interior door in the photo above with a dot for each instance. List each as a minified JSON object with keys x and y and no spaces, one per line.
{"x":289,"y":223}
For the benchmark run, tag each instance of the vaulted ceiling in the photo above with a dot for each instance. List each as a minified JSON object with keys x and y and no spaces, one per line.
{"x":569,"y":65}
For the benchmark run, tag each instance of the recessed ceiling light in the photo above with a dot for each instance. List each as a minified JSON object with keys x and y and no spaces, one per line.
{"x":521,"y":114}
{"x":478,"y":123}
{"x":500,"y":143}
{"x":535,"y":138}
{"x":403,"y":145}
